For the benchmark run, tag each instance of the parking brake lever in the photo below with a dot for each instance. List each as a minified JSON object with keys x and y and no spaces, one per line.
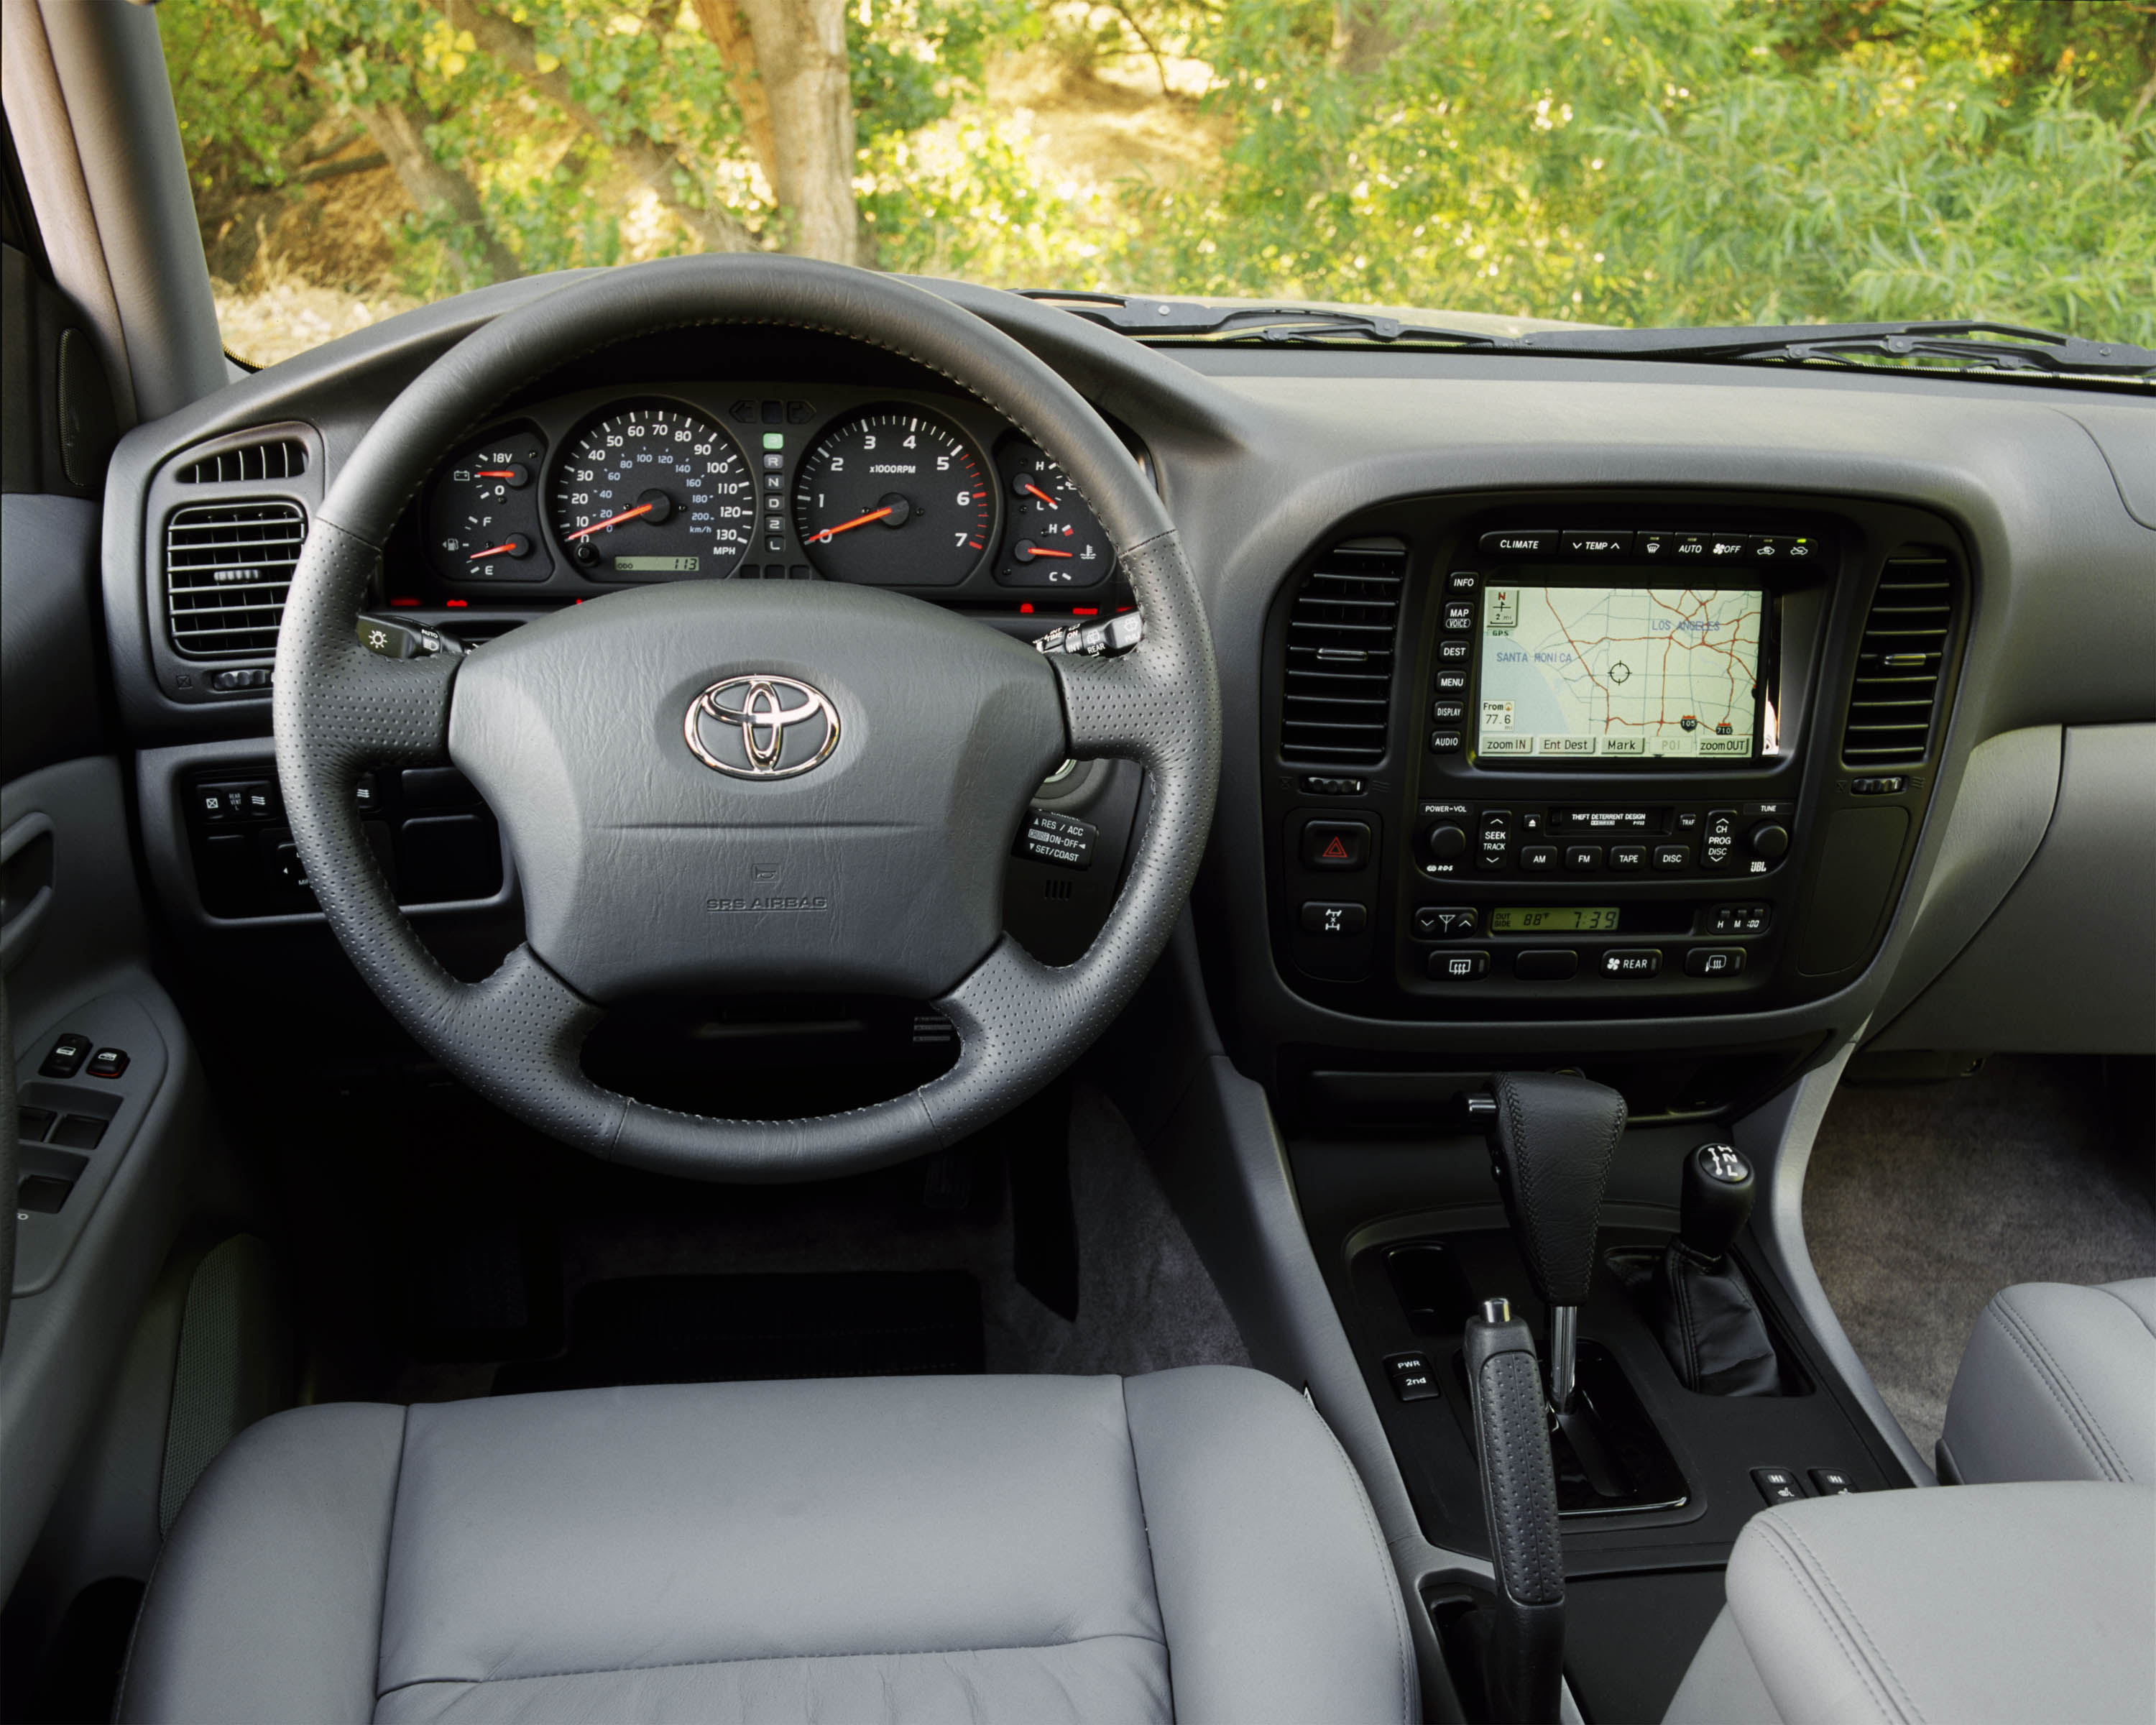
{"x":1522,"y":1668}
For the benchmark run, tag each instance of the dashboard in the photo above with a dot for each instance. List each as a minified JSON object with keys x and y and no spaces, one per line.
{"x":1596,"y":711}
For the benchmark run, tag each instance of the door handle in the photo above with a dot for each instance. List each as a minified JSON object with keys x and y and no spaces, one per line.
{"x":26,"y":885}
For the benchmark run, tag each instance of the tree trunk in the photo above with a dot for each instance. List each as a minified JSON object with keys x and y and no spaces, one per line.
{"x":398,"y":132}
{"x":1364,"y":35}
{"x":712,"y":226}
{"x":727,"y":31}
{"x":801,"y":57}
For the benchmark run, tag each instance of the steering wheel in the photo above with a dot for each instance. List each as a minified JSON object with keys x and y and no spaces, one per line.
{"x":719,"y":785}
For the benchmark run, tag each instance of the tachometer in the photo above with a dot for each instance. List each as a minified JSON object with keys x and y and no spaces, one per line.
{"x":894,"y":497}
{"x":654,"y":493}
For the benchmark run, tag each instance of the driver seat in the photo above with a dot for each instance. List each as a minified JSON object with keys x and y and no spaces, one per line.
{"x":1188,"y":1545}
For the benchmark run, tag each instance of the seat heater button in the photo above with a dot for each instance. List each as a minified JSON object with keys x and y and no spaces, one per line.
{"x":1412,"y":1379}
{"x":1335,"y":920}
{"x":1777,"y":1485}
{"x":1833,"y":1482}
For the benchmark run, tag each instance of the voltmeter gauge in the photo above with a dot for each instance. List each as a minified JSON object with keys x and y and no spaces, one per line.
{"x":483,"y":520}
{"x":1050,"y":538}
{"x":654,"y":493}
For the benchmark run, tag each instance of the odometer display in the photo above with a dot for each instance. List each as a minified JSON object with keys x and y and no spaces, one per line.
{"x":653,"y":493}
{"x":894,"y":497}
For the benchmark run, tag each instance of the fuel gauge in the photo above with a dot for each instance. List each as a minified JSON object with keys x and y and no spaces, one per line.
{"x":483,"y":522}
{"x":1051,"y":537}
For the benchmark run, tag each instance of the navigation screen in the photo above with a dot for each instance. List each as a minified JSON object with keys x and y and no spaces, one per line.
{"x":1645,"y":672}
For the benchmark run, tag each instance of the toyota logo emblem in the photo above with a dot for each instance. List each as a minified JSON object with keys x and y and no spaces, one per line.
{"x":761,"y":726}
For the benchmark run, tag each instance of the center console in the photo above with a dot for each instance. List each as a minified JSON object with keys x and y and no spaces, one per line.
{"x":1576,"y":755}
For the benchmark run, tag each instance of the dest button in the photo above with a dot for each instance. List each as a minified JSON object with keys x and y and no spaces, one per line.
{"x":1335,"y":920}
{"x":1342,"y":844}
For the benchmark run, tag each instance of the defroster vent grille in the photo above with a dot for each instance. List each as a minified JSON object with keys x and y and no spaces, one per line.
{"x":1342,"y":641}
{"x":228,"y":567}
{"x":1900,"y":663}
{"x":281,"y":458}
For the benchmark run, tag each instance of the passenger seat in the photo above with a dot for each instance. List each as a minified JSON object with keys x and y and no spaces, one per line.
{"x":2058,"y":1383}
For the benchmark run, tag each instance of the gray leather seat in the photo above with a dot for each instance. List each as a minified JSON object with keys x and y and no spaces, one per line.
{"x":1978,"y":1605}
{"x":2058,"y":1383}
{"x":1191,"y":1544}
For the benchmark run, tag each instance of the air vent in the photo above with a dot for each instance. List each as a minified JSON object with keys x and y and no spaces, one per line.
{"x":280,"y":459}
{"x":1900,"y":663}
{"x":228,"y":567}
{"x":1341,"y":638}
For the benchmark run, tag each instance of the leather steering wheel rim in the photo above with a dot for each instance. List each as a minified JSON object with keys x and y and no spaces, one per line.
{"x":515,"y":1037}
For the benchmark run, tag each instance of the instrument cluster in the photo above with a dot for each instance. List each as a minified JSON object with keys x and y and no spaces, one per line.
{"x":883,"y":488}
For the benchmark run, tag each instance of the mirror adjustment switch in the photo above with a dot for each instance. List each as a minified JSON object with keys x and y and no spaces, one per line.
{"x":1412,"y":1377}
{"x":68,"y":1054}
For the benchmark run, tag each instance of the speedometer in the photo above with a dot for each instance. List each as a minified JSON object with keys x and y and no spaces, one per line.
{"x":894,"y":497}
{"x":654,"y":493}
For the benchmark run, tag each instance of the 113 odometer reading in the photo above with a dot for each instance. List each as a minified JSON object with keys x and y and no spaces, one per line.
{"x":894,"y":497}
{"x":648,"y":493}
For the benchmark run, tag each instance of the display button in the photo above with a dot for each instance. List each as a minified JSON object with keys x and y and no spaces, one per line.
{"x":1540,"y":543}
{"x":1714,"y":960}
{"x":65,"y":1058}
{"x":1628,"y":859}
{"x":1458,"y":967}
{"x":1538,"y":859}
{"x":1335,"y":920}
{"x":1460,"y":614}
{"x":1412,"y":1377}
{"x":1448,"y":712}
{"x":1582,"y":859}
{"x":1545,"y":964}
{"x":1589,"y":543}
{"x":1632,"y":962}
{"x":108,"y":1063}
{"x":1669,"y":858}
{"x":1463,"y":581}
{"x":1341,"y":844}
{"x":1445,"y":743}
{"x":1777,"y":1485}
{"x":1833,"y":1482}
{"x":1445,"y":923}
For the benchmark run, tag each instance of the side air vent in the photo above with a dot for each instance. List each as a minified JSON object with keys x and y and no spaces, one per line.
{"x":280,"y":459}
{"x":1900,"y":663}
{"x":228,"y":567}
{"x":1341,"y":635}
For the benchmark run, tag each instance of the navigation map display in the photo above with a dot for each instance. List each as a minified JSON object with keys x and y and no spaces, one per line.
{"x":1621,"y":672}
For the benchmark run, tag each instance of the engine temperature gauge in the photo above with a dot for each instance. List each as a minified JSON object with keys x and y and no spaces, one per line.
{"x":1051,"y":537}
{"x":483,"y":522}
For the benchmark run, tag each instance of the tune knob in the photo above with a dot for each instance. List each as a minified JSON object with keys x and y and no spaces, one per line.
{"x":1444,"y":842}
{"x":1769,"y":840}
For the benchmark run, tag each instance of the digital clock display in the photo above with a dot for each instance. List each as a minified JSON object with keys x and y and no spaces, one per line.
{"x":1553,"y":919}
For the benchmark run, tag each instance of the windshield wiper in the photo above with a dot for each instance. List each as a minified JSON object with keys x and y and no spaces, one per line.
{"x":1971,"y":344}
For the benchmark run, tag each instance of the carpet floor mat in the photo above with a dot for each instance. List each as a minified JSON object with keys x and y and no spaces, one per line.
{"x":712,"y":1329}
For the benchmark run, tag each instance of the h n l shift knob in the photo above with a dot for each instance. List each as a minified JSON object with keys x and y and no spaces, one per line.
{"x":1717,"y":1200}
{"x":1555,"y":1137}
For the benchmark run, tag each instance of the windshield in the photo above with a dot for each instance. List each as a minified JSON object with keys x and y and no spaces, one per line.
{"x":1645,"y":163}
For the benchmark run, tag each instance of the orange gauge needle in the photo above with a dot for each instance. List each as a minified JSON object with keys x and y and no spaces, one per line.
{"x":1042,"y":550}
{"x":496,"y":472}
{"x":494,"y":551}
{"x":859,"y":520}
{"x":626,"y":514}
{"x":1042,"y":495}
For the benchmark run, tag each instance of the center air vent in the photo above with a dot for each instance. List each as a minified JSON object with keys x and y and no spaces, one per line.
{"x":1341,"y":639}
{"x":281,"y":458}
{"x":1900,"y":663}
{"x":228,"y":567}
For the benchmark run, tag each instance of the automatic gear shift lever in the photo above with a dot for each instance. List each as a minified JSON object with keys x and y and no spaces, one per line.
{"x":1555,"y":1136}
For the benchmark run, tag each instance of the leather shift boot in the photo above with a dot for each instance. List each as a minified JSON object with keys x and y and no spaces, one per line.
{"x":1709,"y":1325}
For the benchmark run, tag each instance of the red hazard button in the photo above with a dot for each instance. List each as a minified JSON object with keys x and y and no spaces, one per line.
{"x":1335,"y":844}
